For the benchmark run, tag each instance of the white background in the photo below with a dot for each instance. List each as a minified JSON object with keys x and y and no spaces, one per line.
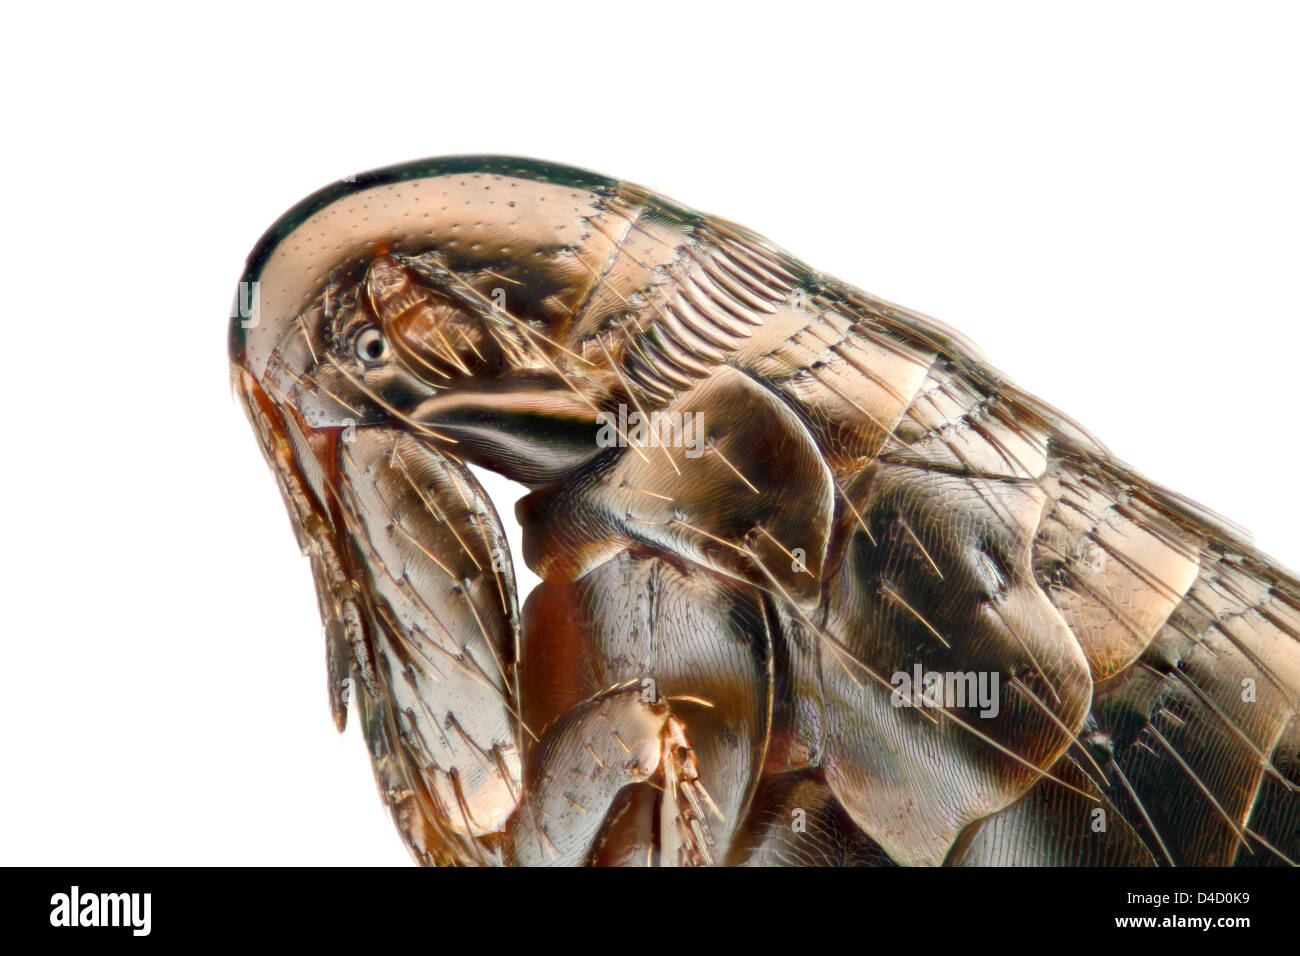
{"x":1103,"y":196}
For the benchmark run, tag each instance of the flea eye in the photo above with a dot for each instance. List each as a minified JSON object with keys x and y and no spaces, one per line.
{"x":371,"y":346}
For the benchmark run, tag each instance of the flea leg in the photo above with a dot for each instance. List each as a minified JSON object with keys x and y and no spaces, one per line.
{"x":700,"y":643}
{"x":688,"y":804}
{"x":583,"y":765}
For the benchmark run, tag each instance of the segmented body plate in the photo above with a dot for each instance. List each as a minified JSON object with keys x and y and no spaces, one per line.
{"x":880,"y":604}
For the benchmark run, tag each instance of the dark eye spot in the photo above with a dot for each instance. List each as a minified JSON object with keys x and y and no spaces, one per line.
{"x":371,"y":346}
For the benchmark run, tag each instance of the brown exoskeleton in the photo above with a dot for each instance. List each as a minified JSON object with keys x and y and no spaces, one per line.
{"x":819,"y":586}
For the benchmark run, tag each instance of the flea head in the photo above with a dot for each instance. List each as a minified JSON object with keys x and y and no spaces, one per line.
{"x":442,"y":291}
